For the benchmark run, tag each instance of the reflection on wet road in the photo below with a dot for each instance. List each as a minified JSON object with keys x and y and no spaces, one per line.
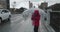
{"x":13,"y":25}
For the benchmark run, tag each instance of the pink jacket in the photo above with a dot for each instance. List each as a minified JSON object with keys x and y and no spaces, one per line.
{"x":35,"y":18}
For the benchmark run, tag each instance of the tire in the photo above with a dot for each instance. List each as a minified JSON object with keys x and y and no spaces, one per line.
{"x":0,"y":20}
{"x":9,"y":18}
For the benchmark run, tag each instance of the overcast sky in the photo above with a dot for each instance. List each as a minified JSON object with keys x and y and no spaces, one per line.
{"x":24,"y":3}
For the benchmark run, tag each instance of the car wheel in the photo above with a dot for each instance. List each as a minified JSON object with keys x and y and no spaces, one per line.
{"x":9,"y":18}
{"x":0,"y":20}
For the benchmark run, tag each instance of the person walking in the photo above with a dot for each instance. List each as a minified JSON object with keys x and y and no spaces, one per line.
{"x":35,"y":20}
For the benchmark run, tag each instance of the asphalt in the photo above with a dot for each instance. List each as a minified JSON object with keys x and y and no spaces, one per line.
{"x":19,"y":24}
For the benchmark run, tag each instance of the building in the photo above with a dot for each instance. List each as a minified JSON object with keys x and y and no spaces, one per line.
{"x":43,"y":5}
{"x":55,"y":7}
{"x":4,"y":4}
{"x":30,"y":4}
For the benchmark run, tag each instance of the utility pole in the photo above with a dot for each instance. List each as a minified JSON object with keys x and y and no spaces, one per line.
{"x":14,"y":6}
{"x":8,"y":4}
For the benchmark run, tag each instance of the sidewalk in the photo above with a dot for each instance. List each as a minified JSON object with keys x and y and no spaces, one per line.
{"x":26,"y":26}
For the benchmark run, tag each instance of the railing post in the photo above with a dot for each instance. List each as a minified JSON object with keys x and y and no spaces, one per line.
{"x":48,"y":16}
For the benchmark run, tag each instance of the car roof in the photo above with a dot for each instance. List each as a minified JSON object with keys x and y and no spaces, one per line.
{"x":3,"y":9}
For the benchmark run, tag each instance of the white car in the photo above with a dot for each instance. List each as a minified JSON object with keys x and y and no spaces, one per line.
{"x":4,"y":15}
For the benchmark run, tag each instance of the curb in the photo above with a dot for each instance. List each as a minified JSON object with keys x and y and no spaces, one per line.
{"x":49,"y":28}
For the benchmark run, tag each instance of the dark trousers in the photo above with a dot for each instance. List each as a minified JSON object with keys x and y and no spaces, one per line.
{"x":36,"y":28}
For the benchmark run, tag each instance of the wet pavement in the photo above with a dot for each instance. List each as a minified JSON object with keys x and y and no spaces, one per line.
{"x":18,"y":24}
{"x":11,"y":26}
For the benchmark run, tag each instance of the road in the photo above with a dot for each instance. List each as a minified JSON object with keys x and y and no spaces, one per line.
{"x":18,"y":24}
{"x":11,"y":26}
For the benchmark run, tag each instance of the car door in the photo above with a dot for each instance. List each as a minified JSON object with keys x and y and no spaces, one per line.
{"x":5,"y":13}
{"x":8,"y":13}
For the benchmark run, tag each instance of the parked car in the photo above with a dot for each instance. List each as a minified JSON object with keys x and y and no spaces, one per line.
{"x":4,"y":15}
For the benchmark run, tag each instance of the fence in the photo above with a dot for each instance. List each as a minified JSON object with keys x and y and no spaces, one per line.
{"x":53,"y":18}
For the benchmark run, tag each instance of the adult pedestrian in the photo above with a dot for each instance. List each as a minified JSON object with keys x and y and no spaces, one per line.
{"x":35,"y":20}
